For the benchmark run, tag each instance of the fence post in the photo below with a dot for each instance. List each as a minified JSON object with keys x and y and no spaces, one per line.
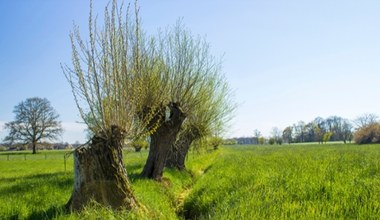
{"x":64,"y":159}
{"x":24,"y":156}
{"x":45,"y":156}
{"x":8,"y":157}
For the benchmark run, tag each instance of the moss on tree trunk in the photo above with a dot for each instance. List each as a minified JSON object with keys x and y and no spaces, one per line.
{"x":100,"y":174}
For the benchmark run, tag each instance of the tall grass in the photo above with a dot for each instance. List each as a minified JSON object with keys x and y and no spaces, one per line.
{"x":291,"y":182}
{"x":38,"y":188}
{"x":265,"y":182}
{"x":33,"y":188}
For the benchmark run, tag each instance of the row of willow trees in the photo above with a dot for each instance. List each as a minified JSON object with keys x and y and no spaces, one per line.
{"x":128,"y":85}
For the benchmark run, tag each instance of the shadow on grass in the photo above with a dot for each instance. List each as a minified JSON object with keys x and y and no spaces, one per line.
{"x":133,"y":168}
{"x":43,"y":214}
{"x":58,"y":180}
{"x":207,"y":169}
{"x":134,"y":176}
{"x":134,"y":171}
{"x":49,"y":213}
{"x":30,"y":190}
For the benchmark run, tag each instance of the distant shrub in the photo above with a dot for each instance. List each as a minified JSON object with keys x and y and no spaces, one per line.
{"x":327,"y":136}
{"x":271,"y":141}
{"x":368,"y":134}
{"x":261,"y":140}
{"x":229,"y":142}
{"x":2,"y":148}
{"x":69,"y":147}
{"x":140,"y":144}
{"x":215,"y":142}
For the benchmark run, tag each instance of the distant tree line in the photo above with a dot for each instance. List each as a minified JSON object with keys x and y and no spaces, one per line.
{"x":333,"y":128}
{"x":364,"y":129}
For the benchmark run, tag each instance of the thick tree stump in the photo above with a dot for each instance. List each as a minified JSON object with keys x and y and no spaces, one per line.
{"x":100,"y":175}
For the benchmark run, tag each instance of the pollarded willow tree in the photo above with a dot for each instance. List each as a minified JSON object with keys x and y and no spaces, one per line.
{"x":185,"y":81}
{"x":208,"y":119}
{"x":103,"y":80}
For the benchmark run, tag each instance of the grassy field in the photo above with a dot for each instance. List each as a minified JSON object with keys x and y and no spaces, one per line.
{"x":237,"y":182}
{"x":39,"y":187}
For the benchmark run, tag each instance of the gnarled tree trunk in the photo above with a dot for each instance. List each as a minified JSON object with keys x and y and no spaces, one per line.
{"x":161,"y":143}
{"x":178,"y":153}
{"x":100,"y":174}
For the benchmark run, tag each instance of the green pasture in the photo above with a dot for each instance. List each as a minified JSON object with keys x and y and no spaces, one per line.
{"x":290,"y":182}
{"x":236,"y":182}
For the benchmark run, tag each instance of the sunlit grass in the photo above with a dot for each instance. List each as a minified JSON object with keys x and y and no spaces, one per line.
{"x":35,"y":187}
{"x":251,"y":182}
{"x":291,"y":182}
{"x":39,"y":187}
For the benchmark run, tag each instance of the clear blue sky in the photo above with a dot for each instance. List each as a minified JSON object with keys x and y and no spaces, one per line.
{"x":286,"y":60}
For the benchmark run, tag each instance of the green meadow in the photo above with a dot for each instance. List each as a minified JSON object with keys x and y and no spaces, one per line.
{"x":334,"y":181}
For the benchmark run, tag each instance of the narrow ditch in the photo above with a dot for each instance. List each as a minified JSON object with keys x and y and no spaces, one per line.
{"x":181,"y":197}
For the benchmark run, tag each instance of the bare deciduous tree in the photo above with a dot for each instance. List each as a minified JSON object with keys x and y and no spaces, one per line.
{"x":35,"y":120}
{"x":368,"y":134}
{"x":277,"y":135}
{"x":287,"y":134}
{"x":365,"y":120}
{"x":256,"y":136}
{"x":347,"y":133}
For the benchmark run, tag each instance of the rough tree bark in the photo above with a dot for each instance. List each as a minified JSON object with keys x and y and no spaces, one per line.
{"x":161,"y":143}
{"x":100,"y":174}
{"x":177,"y":155}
